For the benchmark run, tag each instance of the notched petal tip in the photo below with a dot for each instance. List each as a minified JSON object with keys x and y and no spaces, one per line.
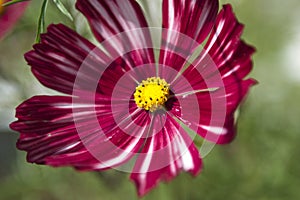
{"x":13,"y":126}
{"x":143,"y":187}
{"x":253,"y":81}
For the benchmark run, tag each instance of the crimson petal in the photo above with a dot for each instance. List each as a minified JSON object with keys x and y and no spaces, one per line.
{"x":57,"y":132}
{"x":223,"y":64}
{"x":231,"y":55}
{"x":45,"y":127}
{"x":109,"y":18}
{"x":164,"y":155}
{"x":216,"y":111}
{"x":57,"y":59}
{"x":192,"y":18}
{"x":226,"y":55}
{"x":9,"y":16}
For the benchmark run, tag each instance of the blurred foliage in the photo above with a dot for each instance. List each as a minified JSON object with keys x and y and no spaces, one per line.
{"x":262,"y":163}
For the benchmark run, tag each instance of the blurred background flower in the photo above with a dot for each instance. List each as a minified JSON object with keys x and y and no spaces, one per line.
{"x":262,"y":163}
{"x":9,"y":15}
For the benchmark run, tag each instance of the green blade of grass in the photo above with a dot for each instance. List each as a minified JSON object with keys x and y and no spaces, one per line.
{"x":62,"y":9}
{"x":41,"y":22}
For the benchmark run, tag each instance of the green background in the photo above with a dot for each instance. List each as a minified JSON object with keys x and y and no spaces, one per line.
{"x":262,"y":163}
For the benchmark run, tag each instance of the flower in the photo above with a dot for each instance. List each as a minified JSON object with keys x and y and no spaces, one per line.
{"x":124,"y":105}
{"x":10,"y":15}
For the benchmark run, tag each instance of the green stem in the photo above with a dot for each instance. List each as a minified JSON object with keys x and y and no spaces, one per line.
{"x":41,"y":22}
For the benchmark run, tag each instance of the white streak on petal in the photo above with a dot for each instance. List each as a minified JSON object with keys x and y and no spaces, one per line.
{"x":215,"y":130}
{"x":186,"y":157}
{"x":147,"y":161}
{"x":216,"y":35}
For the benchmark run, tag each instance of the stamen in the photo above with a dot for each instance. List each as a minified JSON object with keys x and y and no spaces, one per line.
{"x":152,"y":93}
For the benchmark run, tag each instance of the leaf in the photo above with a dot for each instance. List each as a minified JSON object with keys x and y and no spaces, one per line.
{"x":41,"y":22}
{"x":62,"y":9}
{"x":13,"y":2}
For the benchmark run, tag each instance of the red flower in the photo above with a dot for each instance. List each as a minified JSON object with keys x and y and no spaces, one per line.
{"x":126,"y":107}
{"x":10,"y":15}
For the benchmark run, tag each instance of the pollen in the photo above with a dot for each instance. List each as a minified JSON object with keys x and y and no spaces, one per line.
{"x":151,"y":94}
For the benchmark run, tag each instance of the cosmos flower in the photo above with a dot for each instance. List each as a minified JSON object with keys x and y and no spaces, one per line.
{"x":137,"y":101}
{"x":9,"y":15}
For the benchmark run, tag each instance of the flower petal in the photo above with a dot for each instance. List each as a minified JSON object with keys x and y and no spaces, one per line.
{"x":108,"y":18}
{"x":220,"y":68}
{"x":186,"y":24}
{"x":9,"y":16}
{"x":231,"y":55}
{"x":57,"y":132}
{"x":45,"y":127}
{"x":193,"y":18}
{"x":124,"y":18}
{"x":173,"y":145}
{"x":215,"y":120}
{"x":222,"y":133}
{"x":57,"y":59}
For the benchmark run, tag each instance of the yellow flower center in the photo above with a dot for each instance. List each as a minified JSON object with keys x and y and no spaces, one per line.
{"x":152,"y":93}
